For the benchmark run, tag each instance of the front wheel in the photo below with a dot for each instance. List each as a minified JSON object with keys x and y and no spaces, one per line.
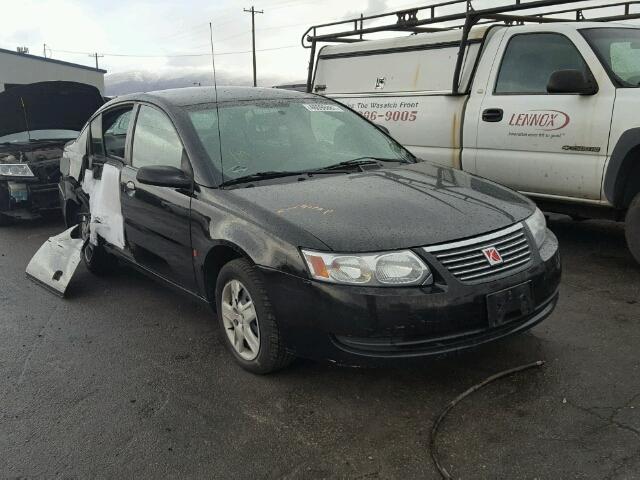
{"x":632,"y":228}
{"x":95,"y":258}
{"x":247,"y":320}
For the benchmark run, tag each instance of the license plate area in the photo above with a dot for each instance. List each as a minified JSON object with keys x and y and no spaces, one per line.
{"x":509,"y":304}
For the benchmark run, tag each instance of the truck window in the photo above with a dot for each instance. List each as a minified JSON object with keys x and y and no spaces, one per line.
{"x":531,"y":58}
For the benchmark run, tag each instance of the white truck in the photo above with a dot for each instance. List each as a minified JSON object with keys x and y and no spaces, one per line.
{"x":542,"y":104}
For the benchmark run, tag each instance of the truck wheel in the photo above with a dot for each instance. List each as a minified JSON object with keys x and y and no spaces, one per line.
{"x":632,"y":228}
{"x":247,"y":320}
{"x":95,"y":258}
{"x":5,"y":220}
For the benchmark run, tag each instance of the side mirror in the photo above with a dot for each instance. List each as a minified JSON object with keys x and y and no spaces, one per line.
{"x":383,"y":128}
{"x":163,"y":176}
{"x":571,"y":81}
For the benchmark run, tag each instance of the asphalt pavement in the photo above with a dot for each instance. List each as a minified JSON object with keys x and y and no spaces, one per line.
{"x":127,"y":379}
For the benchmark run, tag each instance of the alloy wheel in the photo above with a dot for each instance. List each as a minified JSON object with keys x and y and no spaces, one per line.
{"x":240,"y":320}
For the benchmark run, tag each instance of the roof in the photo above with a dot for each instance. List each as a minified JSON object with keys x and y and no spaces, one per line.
{"x":197,"y":95}
{"x":51,"y":60}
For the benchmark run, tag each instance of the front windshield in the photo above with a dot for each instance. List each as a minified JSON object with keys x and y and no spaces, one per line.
{"x":39,"y":135}
{"x":288,"y":136}
{"x":619,"y":51}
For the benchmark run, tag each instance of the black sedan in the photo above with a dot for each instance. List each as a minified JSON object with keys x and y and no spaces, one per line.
{"x":312,"y":231}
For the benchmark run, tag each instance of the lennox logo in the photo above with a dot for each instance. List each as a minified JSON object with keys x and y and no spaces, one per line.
{"x":541,"y":119}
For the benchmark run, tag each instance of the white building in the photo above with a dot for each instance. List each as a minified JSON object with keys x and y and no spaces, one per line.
{"x":21,"y":68}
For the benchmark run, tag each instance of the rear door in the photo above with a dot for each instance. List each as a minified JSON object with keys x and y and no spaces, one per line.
{"x":157,"y":219}
{"x":540,"y":143}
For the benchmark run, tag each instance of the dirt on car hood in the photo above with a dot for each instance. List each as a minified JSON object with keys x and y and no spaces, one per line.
{"x":387,"y":209}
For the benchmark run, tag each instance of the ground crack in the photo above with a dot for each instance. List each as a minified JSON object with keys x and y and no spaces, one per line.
{"x":610,"y":420}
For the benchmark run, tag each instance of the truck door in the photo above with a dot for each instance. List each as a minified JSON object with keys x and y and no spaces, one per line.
{"x":157,"y":219}
{"x":540,"y":143}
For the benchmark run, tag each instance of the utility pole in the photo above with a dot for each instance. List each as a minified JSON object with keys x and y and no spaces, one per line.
{"x":96,"y":56}
{"x":253,"y":12}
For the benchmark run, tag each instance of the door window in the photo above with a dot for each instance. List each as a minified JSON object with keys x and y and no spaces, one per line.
{"x":155,"y":141}
{"x":97,"y":147}
{"x":530,"y":59}
{"x":115,"y":124}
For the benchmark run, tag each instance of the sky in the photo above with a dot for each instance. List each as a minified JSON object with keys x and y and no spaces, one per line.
{"x":148,"y":40}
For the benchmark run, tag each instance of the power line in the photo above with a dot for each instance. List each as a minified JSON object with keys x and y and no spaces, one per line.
{"x":131,"y":55}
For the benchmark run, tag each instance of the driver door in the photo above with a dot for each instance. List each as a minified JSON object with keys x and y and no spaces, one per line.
{"x":540,"y":143}
{"x":157,"y":219}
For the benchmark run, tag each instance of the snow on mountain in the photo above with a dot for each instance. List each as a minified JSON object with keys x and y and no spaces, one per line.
{"x":132,"y":81}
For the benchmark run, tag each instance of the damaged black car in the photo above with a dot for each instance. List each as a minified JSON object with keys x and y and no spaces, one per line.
{"x":36,"y":121}
{"x":311,"y":231}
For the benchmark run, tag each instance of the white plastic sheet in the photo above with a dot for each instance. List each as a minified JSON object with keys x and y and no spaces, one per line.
{"x":104,"y":204}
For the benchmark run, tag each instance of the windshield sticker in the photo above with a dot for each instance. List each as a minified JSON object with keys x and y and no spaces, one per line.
{"x":322,"y":107}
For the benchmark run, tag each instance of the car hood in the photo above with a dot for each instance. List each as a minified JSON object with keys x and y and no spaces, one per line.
{"x":390,"y":208}
{"x":47,"y":106}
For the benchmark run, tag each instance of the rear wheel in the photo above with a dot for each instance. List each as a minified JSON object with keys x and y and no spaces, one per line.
{"x":247,"y":320}
{"x":96,"y":259}
{"x":632,"y":227}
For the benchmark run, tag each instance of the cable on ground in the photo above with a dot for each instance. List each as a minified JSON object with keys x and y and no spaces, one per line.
{"x":434,"y":431}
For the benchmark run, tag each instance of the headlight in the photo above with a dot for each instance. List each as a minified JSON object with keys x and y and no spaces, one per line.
{"x":538,"y":226}
{"x":372,"y":269}
{"x":15,"y":170}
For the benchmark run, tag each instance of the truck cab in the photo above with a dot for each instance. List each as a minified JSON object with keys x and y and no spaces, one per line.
{"x":542,"y":106}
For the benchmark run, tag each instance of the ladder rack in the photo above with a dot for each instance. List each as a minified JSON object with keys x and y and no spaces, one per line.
{"x":411,"y":21}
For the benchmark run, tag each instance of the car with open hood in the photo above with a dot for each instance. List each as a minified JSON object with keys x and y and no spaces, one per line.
{"x":36,"y":121}
{"x":311,"y":231}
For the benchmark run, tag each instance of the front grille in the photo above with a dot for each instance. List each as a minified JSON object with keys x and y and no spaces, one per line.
{"x":466,"y":261}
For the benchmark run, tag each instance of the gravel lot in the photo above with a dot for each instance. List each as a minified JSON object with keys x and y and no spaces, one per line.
{"x":125,"y":378}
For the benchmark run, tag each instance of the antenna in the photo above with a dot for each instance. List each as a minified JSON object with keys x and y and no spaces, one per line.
{"x":26,"y":120}
{"x":213,"y":63}
{"x":215,"y":89}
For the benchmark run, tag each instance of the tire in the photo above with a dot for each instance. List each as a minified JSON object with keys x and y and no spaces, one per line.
{"x":95,"y":258}
{"x":632,"y":227}
{"x":241,"y":293}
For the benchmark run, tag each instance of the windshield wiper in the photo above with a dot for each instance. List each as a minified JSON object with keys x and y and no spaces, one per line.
{"x":258,"y":176}
{"x":356,"y":162}
{"x":277,"y":174}
{"x":342,"y":167}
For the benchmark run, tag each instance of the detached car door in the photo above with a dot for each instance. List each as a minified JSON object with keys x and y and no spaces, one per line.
{"x":157,"y":219}
{"x":541,"y":143}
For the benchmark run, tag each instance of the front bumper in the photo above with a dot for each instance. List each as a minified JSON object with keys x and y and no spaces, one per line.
{"x":351,"y":324}
{"x":27,"y":198}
